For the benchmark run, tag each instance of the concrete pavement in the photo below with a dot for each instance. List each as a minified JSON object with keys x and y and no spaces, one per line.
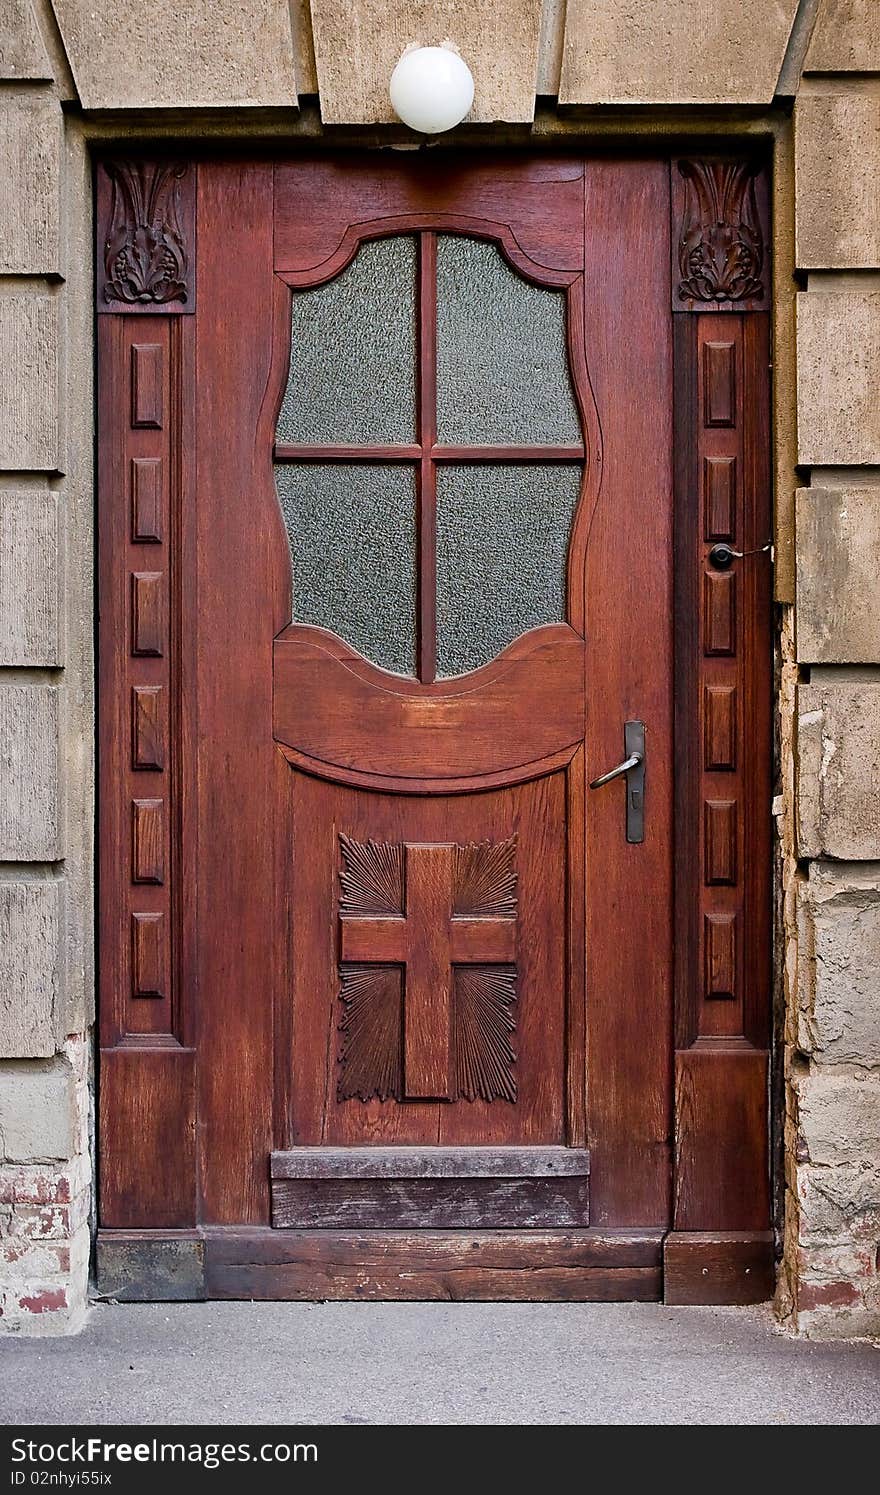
{"x":435,"y":1363}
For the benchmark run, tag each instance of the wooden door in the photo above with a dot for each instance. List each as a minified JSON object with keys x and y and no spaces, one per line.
{"x":392,"y":1008}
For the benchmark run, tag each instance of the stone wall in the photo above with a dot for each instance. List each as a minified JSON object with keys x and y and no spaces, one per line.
{"x":239,"y":69}
{"x":833,"y":1037}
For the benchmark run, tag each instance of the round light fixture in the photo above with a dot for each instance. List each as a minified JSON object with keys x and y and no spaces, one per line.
{"x":432,"y":89}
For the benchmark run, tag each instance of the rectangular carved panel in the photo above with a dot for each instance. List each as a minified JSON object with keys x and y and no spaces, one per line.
{"x":720,"y":834}
{"x":148,"y":955}
{"x":431,"y":930}
{"x":148,"y":727}
{"x":146,"y":499}
{"x":148,"y":841}
{"x":719,"y":497}
{"x":148,"y":613}
{"x":719,"y":953}
{"x":719,"y":612}
{"x":719,"y":384}
{"x":719,"y":727}
{"x":147,"y":385}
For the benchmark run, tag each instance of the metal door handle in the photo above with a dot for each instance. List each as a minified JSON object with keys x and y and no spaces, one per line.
{"x":615,"y":773}
{"x":633,"y":766}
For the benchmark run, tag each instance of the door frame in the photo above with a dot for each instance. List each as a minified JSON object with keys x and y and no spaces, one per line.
{"x":718,"y":1244}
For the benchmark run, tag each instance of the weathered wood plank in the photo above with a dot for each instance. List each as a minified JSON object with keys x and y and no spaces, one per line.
{"x":430,"y":1162}
{"x":425,"y":1203}
{"x":573,"y":1266}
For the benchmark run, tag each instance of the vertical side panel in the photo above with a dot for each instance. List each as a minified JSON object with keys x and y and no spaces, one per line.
{"x":723,"y":734}
{"x":241,"y":599}
{"x":147,"y":1099}
{"x":629,"y":676}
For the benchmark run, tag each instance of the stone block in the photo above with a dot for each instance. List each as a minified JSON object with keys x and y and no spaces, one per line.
{"x":38,"y":1110}
{"x":837,"y":1121}
{"x":838,"y":579}
{"x":357,"y":46}
{"x":838,"y":1019}
{"x":838,"y":340}
{"x":30,"y":981}
{"x":220,"y":54}
{"x":837,"y":181}
{"x":839,"y":1204}
{"x":30,"y":812}
{"x":29,"y":579}
{"x":838,"y":770}
{"x":22,"y":54}
{"x":846,"y":38}
{"x":674,"y":51}
{"x":29,"y":387}
{"x":30,"y":149}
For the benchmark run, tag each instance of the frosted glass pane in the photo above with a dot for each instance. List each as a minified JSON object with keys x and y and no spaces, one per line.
{"x":502,"y":544}
{"x":502,"y":366}
{"x":352,"y":535}
{"x":353,"y":353}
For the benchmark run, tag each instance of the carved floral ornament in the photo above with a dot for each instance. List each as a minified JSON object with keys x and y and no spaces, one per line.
{"x":146,"y":258}
{"x":721,"y":243}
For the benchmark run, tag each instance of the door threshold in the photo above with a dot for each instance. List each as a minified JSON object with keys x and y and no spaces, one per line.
{"x":260,"y":1263}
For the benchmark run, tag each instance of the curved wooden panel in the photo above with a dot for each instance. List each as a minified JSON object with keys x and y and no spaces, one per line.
{"x":336,"y":711}
{"x":316,"y":201}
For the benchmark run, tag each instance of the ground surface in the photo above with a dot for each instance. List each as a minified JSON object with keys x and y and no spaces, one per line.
{"x":424,"y":1363}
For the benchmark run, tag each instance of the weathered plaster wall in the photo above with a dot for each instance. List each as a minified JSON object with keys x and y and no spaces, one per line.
{"x":46,"y":720}
{"x":239,"y":68}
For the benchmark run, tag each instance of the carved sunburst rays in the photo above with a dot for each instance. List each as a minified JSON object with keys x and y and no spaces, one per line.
{"x":484,"y":879}
{"x":482,"y":1028}
{"x":371,"y":879}
{"x":483,"y":885}
{"x":371,"y":1059}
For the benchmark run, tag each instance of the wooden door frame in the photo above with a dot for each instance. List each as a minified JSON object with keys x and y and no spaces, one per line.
{"x":718,"y":1244}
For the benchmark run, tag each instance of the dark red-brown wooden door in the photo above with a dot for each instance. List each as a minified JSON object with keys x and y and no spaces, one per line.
{"x":394,"y":969}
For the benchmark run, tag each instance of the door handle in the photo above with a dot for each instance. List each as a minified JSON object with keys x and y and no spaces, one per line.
{"x":633,"y":767}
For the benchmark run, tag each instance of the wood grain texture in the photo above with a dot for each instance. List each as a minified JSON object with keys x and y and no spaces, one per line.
{"x":149,"y":727}
{"x":431,"y":1162}
{"x":148,"y":955}
{"x":536,"y":814}
{"x":147,"y":1114}
{"x":239,"y":599}
{"x":337,"y":711}
{"x":148,"y":840}
{"x":536,"y":201}
{"x":146,"y":479}
{"x":719,"y":612}
{"x":721,"y":1108}
{"x":720,"y":727}
{"x":703,"y":1267}
{"x":464,"y":1266}
{"x":719,"y":497}
{"x":148,"y":626}
{"x":629,"y":596}
{"x":719,"y":948}
{"x":430,"y":1203}
{"x":147,"y":385}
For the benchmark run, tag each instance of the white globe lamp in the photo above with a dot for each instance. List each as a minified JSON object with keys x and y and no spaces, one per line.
{"x":432,"y":89}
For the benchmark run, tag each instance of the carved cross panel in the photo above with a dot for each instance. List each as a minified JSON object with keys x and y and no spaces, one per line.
{"x":427,"y":938}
